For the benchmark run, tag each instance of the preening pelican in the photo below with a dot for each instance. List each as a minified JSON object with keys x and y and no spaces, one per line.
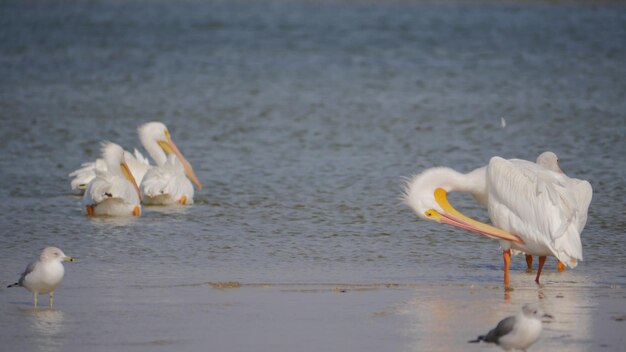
{"x":137,"y":164}
{"x":169,"y":181}
{"x":533,"y":209}
{"x":114,"y":191}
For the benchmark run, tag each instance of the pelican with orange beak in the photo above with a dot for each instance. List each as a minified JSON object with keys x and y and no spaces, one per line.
{"x":113,"y":192}
{"x":169,"y":182}
{"x":533,"y":209}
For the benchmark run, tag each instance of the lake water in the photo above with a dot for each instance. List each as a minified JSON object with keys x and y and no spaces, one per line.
{"x":301,"y":120}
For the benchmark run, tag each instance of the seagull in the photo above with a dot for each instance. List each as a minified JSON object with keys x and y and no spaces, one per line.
{"x":44,"y":275}
{"x":518,"y":331}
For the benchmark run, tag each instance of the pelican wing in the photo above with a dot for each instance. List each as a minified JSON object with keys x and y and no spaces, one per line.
{"x":541,"y":206}
{"x":87,"y":172}
{"x":137,"y":164}
{"x":107,"y":186}
{"x":583,"y":194}
{"x":168,"y":179}
{"x":140,"y":158}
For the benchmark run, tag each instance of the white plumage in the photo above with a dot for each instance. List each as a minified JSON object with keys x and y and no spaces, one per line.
{"x":113,"y":192}
{"x":44,"y":275}
{"x":169,"y":182}
{"x":539,"y":205}
{"x":534,"y":210}
{"x":137,"y":163}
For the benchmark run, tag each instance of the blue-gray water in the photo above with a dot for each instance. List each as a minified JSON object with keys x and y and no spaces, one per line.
{"x":301,"y":120}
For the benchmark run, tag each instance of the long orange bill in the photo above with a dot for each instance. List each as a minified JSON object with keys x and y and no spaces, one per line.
{"x":130,"y":177}
{"x":186,"y":165}
{"x":451,"y":216}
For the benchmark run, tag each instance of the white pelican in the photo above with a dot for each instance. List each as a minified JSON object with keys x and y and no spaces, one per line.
{"x":169,"y":181}
{"x":533,"y":210}
{"x":114,"y":191}
{"x":137,"y":164}
{"x":44,"y":275}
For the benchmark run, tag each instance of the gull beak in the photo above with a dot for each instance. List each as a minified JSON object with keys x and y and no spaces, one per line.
{"x":451,"y":216}
{"x":69,"y":259}
{"x":129,"y":176}
{"x":170,"y":147}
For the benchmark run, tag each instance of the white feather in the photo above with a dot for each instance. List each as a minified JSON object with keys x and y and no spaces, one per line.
{"x":166,"y":184}
{"x":539,"y":206}
{"x":110,"y":193}
{"x":137,"y":163}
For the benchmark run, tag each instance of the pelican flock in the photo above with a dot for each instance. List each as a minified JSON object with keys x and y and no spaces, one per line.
{"x":106,"y":181}
{"x":533,"y":209}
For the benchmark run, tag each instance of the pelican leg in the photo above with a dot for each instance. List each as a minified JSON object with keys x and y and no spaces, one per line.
{"x":51,"y":300}
{"x":529,"y":262}
{"x":182,"y":200}
{"x":506,"y":255}
{"x":560,"y":266}
{"x":90,"y":210}
{"x":542,"y":261}
{"x":136,"y":211}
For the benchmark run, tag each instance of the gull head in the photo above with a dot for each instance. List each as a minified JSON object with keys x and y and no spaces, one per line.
{"x":532,"y":312}
{"x":54,"y":253}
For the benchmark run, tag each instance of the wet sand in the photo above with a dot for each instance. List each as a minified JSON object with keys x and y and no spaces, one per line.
{"x":239,"y":316}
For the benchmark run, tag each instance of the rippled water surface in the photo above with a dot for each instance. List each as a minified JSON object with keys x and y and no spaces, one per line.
{"x":301,"y":120}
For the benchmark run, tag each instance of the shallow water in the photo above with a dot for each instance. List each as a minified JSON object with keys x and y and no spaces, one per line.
{"x":301,"y":120}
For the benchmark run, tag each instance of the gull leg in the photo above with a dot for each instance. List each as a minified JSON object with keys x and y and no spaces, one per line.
{"x":51,"y":300}
{"x":560,"y":266}
{"x":542,"y":260}
{"x":182,"y":200}
{"x":136,"y":211}
{"x":506,"y":255}
{"x":35,"y":300}
{"x":529,"y":262}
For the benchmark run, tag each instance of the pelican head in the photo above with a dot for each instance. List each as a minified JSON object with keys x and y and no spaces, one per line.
{"x":550,"y":161}
{"x":419,"y":192}
{"x":154,"y":135}
{"x":426,"y":194}
{"x":113,"y":156}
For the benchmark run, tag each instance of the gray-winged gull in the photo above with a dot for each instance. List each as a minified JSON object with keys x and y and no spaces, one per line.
{"x":44,"y":275}
{"x":518,"y":331}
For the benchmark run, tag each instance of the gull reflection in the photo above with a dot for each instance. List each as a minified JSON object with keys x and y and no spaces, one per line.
{"x":47,"y":326}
